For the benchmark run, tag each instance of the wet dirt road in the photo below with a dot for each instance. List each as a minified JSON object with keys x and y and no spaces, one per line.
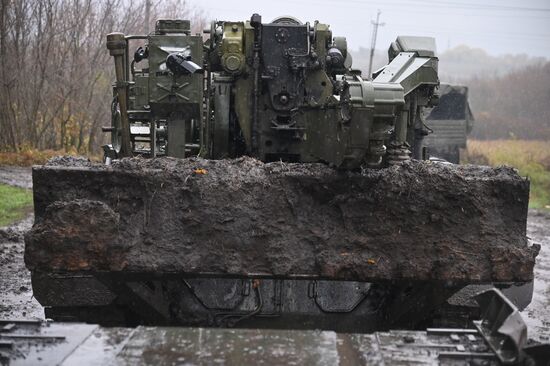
{"x":16,"y":300}
{"x":16,"y":176}
{"x":537,"y":314}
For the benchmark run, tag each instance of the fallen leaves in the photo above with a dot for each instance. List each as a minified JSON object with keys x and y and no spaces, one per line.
{"x":200,"y":171}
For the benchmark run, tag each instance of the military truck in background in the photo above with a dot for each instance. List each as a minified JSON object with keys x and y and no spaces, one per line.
{"x":449,"y":123}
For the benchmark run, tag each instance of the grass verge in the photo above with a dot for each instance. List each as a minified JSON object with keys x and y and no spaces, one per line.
{"x":15,"y":203}
{"x":531,"y":158}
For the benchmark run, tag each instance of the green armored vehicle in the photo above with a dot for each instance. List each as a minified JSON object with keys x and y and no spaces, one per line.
{"x":276,"y":91}
{"x":282,"y":190}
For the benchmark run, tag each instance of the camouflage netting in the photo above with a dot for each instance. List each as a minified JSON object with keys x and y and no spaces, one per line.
{"x":417,"y":221}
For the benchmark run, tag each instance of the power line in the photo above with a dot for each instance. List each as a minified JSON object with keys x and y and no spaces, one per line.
{"x":429,"y":6}
{"x":375,"y":26}
{"x":425,"y":9}
{"x":441,"y":4}
{"x":482,"y":6}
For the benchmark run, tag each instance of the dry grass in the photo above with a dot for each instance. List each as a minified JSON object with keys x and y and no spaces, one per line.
{"x":28,"y":157}
{"x":531,"y":158}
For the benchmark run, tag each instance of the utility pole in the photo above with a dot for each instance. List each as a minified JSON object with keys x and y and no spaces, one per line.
{"x":147,"y":15}
{"x":375,"y":26}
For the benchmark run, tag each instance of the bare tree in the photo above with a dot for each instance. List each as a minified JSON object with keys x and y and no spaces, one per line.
{"x":55,"y":72}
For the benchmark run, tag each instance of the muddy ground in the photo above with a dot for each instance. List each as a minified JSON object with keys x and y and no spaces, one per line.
{"x":537,"y":314}
{"x":16,"y":300}
{"x":16,"y":176}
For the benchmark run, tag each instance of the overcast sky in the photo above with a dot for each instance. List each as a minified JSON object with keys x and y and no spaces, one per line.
{"x":499,"y":27}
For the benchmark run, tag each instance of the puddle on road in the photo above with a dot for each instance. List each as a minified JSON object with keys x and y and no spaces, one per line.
{"x":537,"y":314}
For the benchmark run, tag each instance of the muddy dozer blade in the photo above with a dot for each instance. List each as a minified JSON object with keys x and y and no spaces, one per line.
{"x":418,"y":221}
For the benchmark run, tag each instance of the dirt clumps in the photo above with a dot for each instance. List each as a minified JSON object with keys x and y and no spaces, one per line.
{"x":416,"y":221}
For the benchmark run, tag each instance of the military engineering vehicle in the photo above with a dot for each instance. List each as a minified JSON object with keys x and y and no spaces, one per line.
{"x":277,"y":91}
{"x":283,"y":190}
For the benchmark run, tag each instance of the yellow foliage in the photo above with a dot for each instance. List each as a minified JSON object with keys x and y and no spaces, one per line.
{"x":531,"y":158}
{"x":516,"y":153}
{"x":28,"y":157}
